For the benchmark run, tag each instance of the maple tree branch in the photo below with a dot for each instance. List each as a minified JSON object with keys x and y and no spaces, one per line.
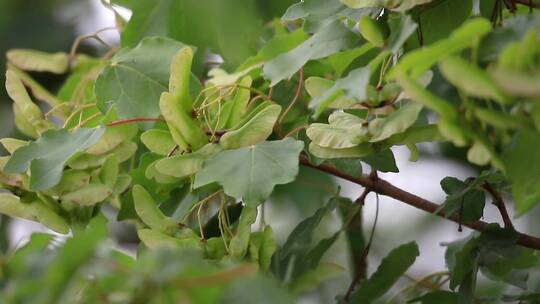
{"x":499,"y":203}
{"x":385,"y":188}
{"x":528,"y":3}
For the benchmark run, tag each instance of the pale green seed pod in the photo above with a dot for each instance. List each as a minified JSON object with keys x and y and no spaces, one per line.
{"x":184,"y":129}
{"x":147,"y":210}
{"x":373,"y":31}
{"x":471,"y":79}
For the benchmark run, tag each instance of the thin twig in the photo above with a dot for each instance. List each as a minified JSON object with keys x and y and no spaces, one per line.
{"x":499,"y":203}
{"x":385,"y":188}
{"x":95,"y":36}
{"x":294,"y":131}
{"x":296,"y":96}
{"x":359,"y":273}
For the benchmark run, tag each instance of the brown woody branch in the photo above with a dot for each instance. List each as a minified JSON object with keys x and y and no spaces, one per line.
{"x":528,"y":3}
{"x":499,"y":203}
{"x":385,"y":188}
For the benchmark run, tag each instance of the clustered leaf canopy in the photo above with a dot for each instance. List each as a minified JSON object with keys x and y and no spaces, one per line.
{"x":190,"y":150}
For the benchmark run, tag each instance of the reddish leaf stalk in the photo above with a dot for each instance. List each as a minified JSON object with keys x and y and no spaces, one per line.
{"x":133,"y":120}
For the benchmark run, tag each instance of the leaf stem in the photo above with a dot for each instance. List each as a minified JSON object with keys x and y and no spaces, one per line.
{"x":133,"y":120}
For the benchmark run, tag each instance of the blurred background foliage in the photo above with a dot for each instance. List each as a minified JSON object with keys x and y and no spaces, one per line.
{"x":35,"y":25}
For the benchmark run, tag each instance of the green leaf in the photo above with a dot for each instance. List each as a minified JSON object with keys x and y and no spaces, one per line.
{"x":464,"y":199}
{"x":113,"y":138}
{"x":37,"y":61}
{"x":216,"y":27}
{"x":135,"y":78}
{"x":155,"y":239}
{"x":395,"y":123}
{"x":443,"y":18}
{"x":39,"y":92}
{"x":311,"y":279}
{"x":251,"y":173}
{"x":471,"y":79}
{"x":500,"y":258}
{"x":28,"y":115}
{"x":179,"y":79}
{"x":521,"y":160}
{"x":309,"y":8}
{"x":12,"y":144}
{"x":343,"y":131}
{"x":48,"y":216}
{"x":88,"y":195}
{"x":85,"y":160}
{"x":437,"y":297}
{"x":401,"y":28}
{"x":373,"y":31}
{"x":109,"y":171}
{"x":267,"y":249}
{"x":144,"y":22}
{"x":461,"y":259}
{"x":354,"y":85}
{"x":47,"y":156}
{"x":358,"y":151}
{"x":298,"y":255}
{"x":158,"y":141}
{"x":421,"y":60}
{"x":71,"y":180}
{"x":316,"y":14}
{"x":185,"y":130}
{"x":421,"y":95}
{"x":317,"y":87}
{"x":259,"y":289}
{"x":392,"y":267}
{"x":342,"y":60}
{"x":383,"y":161}
{"x":185,"y":165}
{"x":35,"y":210}
{"x":149,"y":212}
{"x":331,"y":39}
{"x":279,"y":44}
{"x":239,"y":243}
{"x":240,"y":102}
{"x":253,"y":131}
{"x":11,"y":206}
{"x":395,"y":5}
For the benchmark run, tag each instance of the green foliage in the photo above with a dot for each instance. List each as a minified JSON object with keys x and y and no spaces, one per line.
{"x":191,"y":152}
{"x":389,"y":271}
{"x":251,"y":173}
{"x":47,"y":156}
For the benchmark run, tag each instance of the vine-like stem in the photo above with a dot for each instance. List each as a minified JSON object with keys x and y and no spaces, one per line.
{"x":385,"y":188}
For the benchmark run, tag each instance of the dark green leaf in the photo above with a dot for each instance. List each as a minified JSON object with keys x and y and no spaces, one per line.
{"x":251,"y":173}
{"x":136,"y":77}
{"x":330,"y":39}
{"x":392,"y":267}
{"x":47,"y":156}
